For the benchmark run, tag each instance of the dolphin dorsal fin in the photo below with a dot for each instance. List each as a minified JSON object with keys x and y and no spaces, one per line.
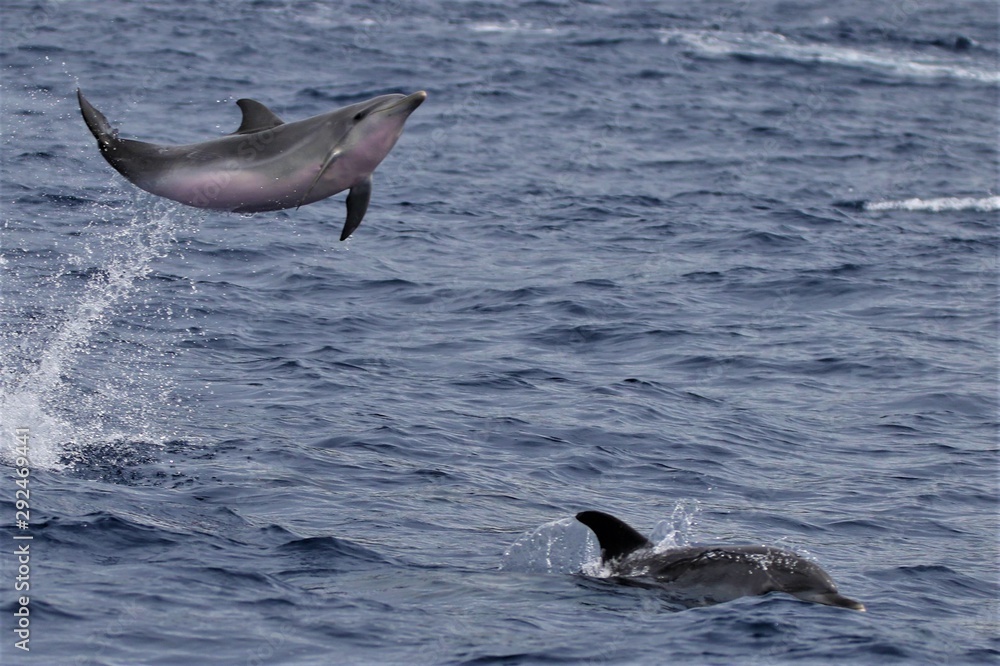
{"x":256,"y":117}
{"x":617,"y":539}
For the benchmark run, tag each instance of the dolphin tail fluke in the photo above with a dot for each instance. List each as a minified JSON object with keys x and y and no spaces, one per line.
{"x":357,"y":206}
{"x":617,"y":538}
{"x":99,"y":126}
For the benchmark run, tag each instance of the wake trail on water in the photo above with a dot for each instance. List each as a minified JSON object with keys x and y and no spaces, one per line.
{"x":66,"y":403}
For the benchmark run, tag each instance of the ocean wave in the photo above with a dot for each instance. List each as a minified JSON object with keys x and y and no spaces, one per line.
{"x":777,"y":46}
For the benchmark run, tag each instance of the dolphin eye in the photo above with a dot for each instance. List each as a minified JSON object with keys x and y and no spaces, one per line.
{"x":359,"y":115}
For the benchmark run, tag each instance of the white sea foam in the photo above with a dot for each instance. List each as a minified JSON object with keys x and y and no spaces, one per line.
{"x":774,"y":45}
{"x":987,"y":204}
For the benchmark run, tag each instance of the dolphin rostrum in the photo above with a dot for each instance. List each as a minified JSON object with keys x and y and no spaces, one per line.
{"x":712,"y":574}
{"x":266,"y":164}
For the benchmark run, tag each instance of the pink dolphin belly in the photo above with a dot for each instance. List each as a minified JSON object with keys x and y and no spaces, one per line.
{"x":248,"y":190}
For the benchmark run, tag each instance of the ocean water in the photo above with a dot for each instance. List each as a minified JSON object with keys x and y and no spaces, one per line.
{"x":726,"y":270}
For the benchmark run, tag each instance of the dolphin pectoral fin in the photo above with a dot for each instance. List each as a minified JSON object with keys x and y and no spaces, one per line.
{"x":256,"y":117}
{"x":334,"y":154}
{"x":357,"y":205}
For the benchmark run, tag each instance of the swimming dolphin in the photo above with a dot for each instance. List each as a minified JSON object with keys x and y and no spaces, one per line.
{"x":266,"y":164}
{"x":713,"y":573}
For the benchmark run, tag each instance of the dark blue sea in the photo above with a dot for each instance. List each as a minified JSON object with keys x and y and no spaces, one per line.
{"x":727,"y":270}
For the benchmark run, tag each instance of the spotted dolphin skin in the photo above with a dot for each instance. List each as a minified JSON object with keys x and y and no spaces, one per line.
{"x":266,"y":164}
{"x":712,"y":573}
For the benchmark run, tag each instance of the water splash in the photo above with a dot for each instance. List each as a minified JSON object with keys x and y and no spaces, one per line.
{"x":561,"y":546}
{"x":63,"y":377}
{"x":676,"y":531}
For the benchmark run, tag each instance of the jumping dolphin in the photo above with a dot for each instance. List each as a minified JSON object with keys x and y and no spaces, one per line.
{"x":713,"y":573}
{"x":266,"y":164}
